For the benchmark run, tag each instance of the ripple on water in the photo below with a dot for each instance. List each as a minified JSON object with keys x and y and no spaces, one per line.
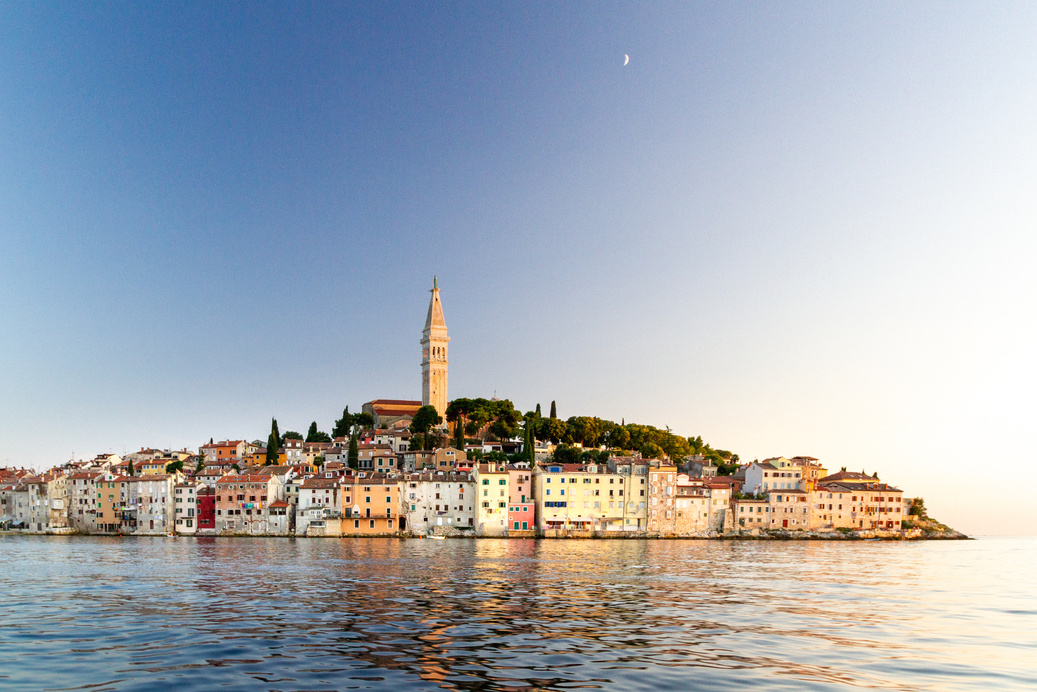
{"x":97,"y":613}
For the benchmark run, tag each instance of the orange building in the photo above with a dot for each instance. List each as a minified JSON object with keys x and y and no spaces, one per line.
{"x":371,"y":505}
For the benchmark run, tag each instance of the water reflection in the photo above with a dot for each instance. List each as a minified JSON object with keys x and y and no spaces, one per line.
{"x":281,"y":614}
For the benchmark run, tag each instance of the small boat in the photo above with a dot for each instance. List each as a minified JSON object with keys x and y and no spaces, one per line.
{"x":438,"y":538}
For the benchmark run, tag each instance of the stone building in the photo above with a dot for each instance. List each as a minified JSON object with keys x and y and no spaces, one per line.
{"x":438,"y":502}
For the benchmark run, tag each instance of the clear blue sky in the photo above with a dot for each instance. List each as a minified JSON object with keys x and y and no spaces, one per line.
{"x":789,"y":228}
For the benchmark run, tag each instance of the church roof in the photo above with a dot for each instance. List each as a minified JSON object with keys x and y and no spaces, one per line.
{"x":435,"y":311}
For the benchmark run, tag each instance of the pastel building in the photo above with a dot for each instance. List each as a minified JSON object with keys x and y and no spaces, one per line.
{"x":491,"y":489}
{"x":437,"y":501}
{"x":521,"y":503}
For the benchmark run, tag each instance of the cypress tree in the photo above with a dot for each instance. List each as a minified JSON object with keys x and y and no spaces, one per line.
{"x":538,"y":411}
{"x":529,"y":444}
{"x":273,"y":444}
{"x":554,"y":411}
{"x":129,"y":469}
{"x":354,"y":453}
{"x":312,"y":432}
{"x":459,"y":437}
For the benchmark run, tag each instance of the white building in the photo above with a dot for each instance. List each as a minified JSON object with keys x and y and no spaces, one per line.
{"x":436,"y":501}
{"x":150,"y":500}
{"x":185,"y":507}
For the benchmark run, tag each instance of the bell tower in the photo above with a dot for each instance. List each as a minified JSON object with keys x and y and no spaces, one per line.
{"x":434,"y":355}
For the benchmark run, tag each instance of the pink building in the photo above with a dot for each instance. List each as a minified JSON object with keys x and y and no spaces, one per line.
{"x":521,"y":506}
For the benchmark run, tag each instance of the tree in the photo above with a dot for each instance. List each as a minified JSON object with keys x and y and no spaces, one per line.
{"x":650,"y":450}
{"x":129,"y":468}
{"x":458,"y":412}
{"x":200,"y":465}
{"x":291,"y":435}
{"x":273,"y":444}
{"x":314,"y":435}
{"x":554,"y":411}
{"x":550,"y":429}
{"x":918,"y":509}
{"x":564,"y":454}
{"x":344,"y":425}
{"x":538,"y":411}
{"x":529,"y":444}
{"x":424,"y":418}
{"x":175,"y":466}
{"x":210,"y":440}
{"x":363,"y":421}
{"x":354,"y":453}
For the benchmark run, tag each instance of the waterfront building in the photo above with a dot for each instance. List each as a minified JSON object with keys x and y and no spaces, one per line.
{"x":320,"y":506}
{"x":662,"y":500}
{"x":241,"y":501}
{"x":185,"y":506}
{"x":491,"y":502}
{"x":521,"y":503}
{"x":857,"y":505}
{"x":372,"y":505}
{"x":108,"y":517}
{"x":434,"y":360}
{"x":591,"y":497}
{"x":694,"y":503}
{"x":206,"y":503}
{"x":147,"y":506}
{"x":438,"y":501}
{"x":751,"y":514}
{"x":57,"y":500}
{"x":789,"y":509}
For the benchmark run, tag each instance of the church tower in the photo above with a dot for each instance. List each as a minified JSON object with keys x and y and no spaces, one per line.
{"x":434,"y":355}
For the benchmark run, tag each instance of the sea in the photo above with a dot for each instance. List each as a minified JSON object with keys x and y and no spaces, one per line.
{"x":96,"y":613}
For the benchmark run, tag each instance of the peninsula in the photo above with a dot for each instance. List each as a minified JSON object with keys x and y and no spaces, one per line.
{"x":466,"y":467}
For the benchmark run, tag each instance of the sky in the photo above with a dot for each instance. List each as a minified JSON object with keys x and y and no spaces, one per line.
{"x":790,"y":228}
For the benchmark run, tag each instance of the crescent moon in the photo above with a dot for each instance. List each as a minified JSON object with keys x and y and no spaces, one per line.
{"x":626,"y":58}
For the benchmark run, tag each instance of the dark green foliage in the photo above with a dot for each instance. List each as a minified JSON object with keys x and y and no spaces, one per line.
{"x":551,"y":429}
{"x":425,"y":418}
{"x":564,"y":454}
{"x":200,"y":465}
{"x":174,"y":466}
{"x":344,"y":425}
{"x":538,"y":411}
{"x":314,"y":435}
{"x":291,"y":435}
{"x":129,"y":468}
{"x":273,"y":444}
{"x":353,"y":457}
{"x":363,"y":421}
{"x":554,"y":411}
{"x":918,"y":509}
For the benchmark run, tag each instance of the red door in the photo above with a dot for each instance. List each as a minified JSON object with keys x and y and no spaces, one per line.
{"x":784,"y":523}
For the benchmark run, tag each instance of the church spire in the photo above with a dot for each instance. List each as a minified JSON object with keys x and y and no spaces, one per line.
{"x":435,"y":309}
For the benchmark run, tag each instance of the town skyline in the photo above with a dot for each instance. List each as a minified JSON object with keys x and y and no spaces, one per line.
{"x":801,"y":230}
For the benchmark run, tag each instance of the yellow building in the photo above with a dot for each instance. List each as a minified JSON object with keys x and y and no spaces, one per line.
{"x":491,"y":498}
{"x":592,"y":497}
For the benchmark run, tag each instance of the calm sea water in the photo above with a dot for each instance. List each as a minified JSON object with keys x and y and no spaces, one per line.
{"x":281,"y":614}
